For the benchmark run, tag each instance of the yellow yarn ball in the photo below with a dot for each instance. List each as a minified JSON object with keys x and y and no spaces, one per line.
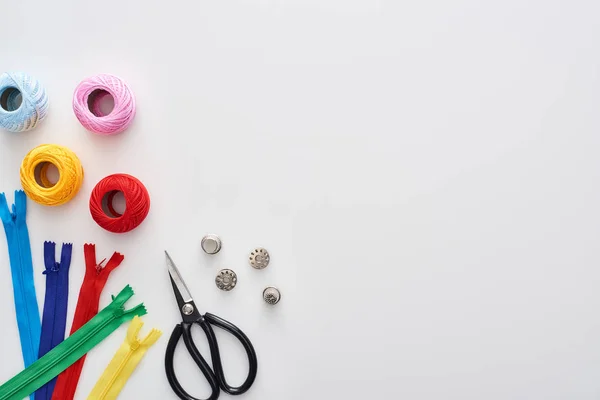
{"x":42,"y":191}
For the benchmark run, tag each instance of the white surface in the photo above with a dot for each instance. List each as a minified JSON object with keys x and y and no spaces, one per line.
{"x":425,"y":175}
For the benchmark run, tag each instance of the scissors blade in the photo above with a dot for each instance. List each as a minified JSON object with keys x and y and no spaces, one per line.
{"x":178,"y":280}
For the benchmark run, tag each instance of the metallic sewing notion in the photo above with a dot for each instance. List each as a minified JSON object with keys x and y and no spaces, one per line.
{"x":211,"y":244}
{"x":271,"y":295}
{"x":259,"y":258}
{"x":226,"y":279}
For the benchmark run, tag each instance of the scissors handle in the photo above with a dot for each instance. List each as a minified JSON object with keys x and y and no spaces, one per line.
{"x":216,"y":355}
{"x":215,"y":379}
{"x":184,"y":329}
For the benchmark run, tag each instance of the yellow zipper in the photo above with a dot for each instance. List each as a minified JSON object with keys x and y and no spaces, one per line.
{"x":124,"y":362}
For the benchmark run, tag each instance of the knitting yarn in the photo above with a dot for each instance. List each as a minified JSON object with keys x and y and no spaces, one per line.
{"x":34,"y":177}
{"x":23,"y":102}
{"x":137,"y":203}
{"x":90,"y":94}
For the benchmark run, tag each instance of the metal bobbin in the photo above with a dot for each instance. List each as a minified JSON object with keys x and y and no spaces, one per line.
{"x":259,"y":258}
{"x":226,"y":279}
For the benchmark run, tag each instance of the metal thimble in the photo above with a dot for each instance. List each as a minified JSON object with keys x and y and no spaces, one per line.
{"x":211,"y":244}
{"x":271,"y":295}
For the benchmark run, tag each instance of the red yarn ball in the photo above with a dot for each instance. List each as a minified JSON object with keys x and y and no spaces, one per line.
{"x":137,"y":203}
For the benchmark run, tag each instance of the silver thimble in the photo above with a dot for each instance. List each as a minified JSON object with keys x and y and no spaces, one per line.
{"x":271,"y":295}
{"x":259,"y":258}
{"x":226,"y":279}
{"x":211,"y":244}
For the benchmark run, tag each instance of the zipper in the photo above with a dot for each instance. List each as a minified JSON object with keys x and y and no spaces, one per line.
{"x":62,"y":298}
{"x":71,"y":349}
{"x":55,"y":306}
{"x":49,"y":315}
{"x":17,"y":235}
{"x":124,"y":362}
{"x":96,"y":276}
{"x":21,"y":283}
{"x":32,"y":312}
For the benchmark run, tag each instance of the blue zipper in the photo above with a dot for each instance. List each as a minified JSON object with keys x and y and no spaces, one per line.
{"x":19,"y":250}
{"x":54,"y":320}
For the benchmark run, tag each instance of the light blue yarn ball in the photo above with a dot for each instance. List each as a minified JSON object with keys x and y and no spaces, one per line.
{"x":23,"y":102}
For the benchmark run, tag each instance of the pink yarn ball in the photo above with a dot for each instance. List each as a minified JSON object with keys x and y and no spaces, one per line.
{"x":88,"y":98}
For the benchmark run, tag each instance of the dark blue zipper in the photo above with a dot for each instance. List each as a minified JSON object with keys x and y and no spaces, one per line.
{"x":21,"y":266}
{"x":54,"y":320}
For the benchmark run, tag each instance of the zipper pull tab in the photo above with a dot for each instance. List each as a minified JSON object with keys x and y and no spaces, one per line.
{"x":55,"y":268}
{"x":99,"y":266}
{"x":49,"y":261}
{"x":89,"y":250}
{"x":120,"y":299}
{"x":133,"y":332}
{"x":114,"y":262}
{"x":118,"y":312}
{"x":118,"y":305}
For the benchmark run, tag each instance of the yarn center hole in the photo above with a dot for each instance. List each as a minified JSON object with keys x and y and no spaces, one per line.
{"x":11,"y":99}
{"x":101,"y":103}
{"x":46,"y":174}
{"x":114,"y":204}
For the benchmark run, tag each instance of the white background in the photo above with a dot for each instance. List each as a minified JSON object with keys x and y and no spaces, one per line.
{"x":424,"y":173}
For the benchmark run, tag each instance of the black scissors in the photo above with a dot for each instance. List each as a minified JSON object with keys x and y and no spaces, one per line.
{"x":190,"y":316}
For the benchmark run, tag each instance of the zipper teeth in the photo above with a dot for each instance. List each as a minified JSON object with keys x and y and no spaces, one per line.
{"x":87,"y":315}
{"x":114,"y":377}
{"x":55,"y":311}
{"x":22,"y":286}
{"x":42,"y":392}
{"x":90,"y":300}
{"x":64,"y":355}
{"x":95,"y":292}
{"x":89,"y":297}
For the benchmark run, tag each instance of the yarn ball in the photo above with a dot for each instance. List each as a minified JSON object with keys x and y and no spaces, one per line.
{"x":34,"y":177}
{"x":88,"y":98}
{"x":23,"y":102}
{"x":137,"y":203}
